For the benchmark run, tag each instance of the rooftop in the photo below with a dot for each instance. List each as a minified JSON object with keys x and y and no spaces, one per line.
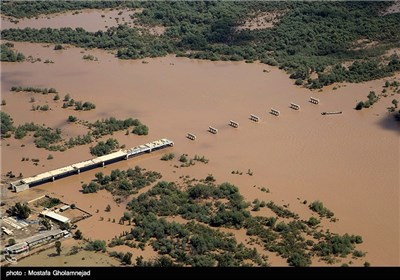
{"x":55,"y":216}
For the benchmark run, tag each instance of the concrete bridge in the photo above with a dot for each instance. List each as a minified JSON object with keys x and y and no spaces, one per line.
{"x":26,"y":183}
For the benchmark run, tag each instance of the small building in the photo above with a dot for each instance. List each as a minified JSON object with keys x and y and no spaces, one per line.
{"x":55,"y":217}
{"x":36,"y":240}
{"x":17,"y":248}
{"x":6,"y":231}
{"x":45,"y":237}
{"x":65,"y":207}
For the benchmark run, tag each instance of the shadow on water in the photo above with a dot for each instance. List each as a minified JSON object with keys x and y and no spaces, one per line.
{"x":389,"y":123}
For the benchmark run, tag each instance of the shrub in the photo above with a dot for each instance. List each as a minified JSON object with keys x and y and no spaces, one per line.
{"x":96,"y":245}
{"x":72,"y":119}
{"x":167,"y":157}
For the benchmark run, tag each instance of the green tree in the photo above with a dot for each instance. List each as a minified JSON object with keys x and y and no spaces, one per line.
{"x":299,"y":260}
{"x":360,"y":105}
{"x":96,"y":245}
{"x":78,"y":235}
{"x":6,"y":124}
{"x":58,"y":247}
{"x":3,"y":102}
{"x":395,"y":102}
{"x":11,"y":242}
{"x":21,"y":210}
{"x":46,"y":223}
{"x":127,"y":259}
{"x":72,"y":119}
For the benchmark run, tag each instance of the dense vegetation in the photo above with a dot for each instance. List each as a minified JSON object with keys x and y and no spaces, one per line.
{"x":9,"y":55}
{"x":122,"y":182}
{"x":318,"y":207}
{"x":108,"y":126}
{"x":104,"y":148}
{"x":20,"y":210}
{"x":21,"y":9}
{"x":206,"y":205}
{"x":309,"y":38}
{"x":6,"y":125}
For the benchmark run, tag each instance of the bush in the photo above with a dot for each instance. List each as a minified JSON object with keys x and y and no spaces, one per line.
{"x":58,"y":47}
{"x":313,"y":221}
{"x":92,"y":187}
{"x":96,"y":245}
{"x":78,"y":235}
{"x":360,"y":105}
{"x":72,"y":119}
{"x":6,"y":124}
{"x":9,"y":55}
{"x":104,"y":148}
{"x":183,"y":158}
{"x":141,"y":129}
{"x":318,"y":207}
{"x":167,"y":157}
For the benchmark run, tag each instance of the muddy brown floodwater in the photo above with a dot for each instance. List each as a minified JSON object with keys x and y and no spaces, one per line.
{"x":349,"y":161}
{"x":90,"y":20}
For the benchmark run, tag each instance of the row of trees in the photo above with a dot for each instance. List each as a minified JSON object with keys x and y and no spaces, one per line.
{"x":33,"y":89}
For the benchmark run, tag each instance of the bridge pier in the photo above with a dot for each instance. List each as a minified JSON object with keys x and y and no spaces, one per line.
{"x":254,"y":118}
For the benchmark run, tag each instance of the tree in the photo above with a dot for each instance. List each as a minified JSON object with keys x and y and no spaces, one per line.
{"x":6,"y":124}
{"x":21,"y":210}
{"x":11,"y":242}
{"x":108,"y":208}
{"x":359,"y":105}
{"x":58,"y":247}
{"x":395,"y":102}
{"x":299,"y":260}
{"x":127,"y":259}
{"x":58,"y":47}
{"x":46,"y":223}
{"x":56,"y":97}
{"x":72,"y":118}
{"x":78,"y":235}
{"x":3,"y":102}
{"x":96,"y":245}
{"x":127,"y":216}
{"x":67,"y":97}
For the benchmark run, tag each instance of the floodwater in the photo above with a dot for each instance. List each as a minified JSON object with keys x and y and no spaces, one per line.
{"x":82,"y":258}
{"x":90,"y":20}
{"x":348,"y":161}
